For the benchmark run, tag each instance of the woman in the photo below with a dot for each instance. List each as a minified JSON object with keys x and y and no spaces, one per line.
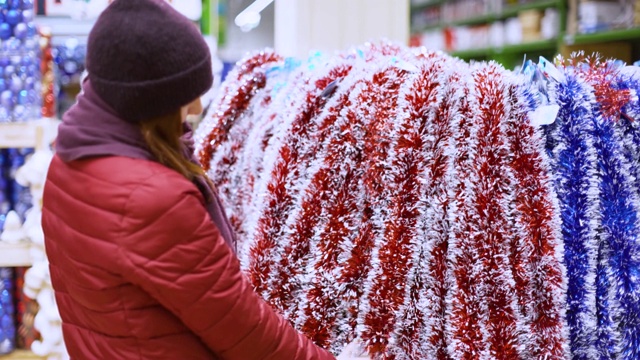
{"x":141,"y":255}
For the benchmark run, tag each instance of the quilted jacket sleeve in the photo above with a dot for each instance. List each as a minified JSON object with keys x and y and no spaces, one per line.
{"x":172,"y":250}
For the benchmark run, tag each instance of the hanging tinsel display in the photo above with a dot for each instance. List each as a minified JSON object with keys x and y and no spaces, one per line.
{"x":413,"y":201}
{"x":599,"y":208}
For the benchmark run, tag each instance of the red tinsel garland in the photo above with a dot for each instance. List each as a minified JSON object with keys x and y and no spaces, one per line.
{"x":382,"y":111}
{"x":536,"y":254}
{"x":280,"y":194}
{"x":420,"y":326}
{"x":324,"y":316}
{"x":224,"y":162}
{"x":408,"y":164}
{"x":249,"y":168}
{"x":234,"y":102}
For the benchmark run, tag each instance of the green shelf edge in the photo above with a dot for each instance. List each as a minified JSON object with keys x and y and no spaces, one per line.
{"x":508,"y":49}
{"x":426,"y":5}
{"x":605,"y":36}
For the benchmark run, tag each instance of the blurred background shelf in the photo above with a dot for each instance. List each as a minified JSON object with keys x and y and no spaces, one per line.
{"x":533,"y":46}
{"x":15,"y":255}
{"x":604,"y":36}
{"x":478,"y":27}
{"x":21,"y":355}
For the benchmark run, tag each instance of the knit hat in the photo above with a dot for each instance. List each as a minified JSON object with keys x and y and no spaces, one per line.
{"x":146,"y":60}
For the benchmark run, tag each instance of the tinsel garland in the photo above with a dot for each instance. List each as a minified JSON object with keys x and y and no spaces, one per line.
{"x":381,"y":111}
{"x":628,"y":123}
{"x":618,"y":290}
{"x":251,"y":161}
{"x":574,"y":169}
{"x":255,"y":91}
{"x":405,"y":198}
{"x":419,"y":326}
{"x":231,"y":102}
{"x":537,"y":252}
{"x":335,"y":175}
{"x":485,"y":291}
{"x":279,"y":190}
{"x":407,"y":162}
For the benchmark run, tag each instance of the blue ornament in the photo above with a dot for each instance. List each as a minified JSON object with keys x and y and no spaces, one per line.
{"x":16,"y":84}
{"x":20,"y":113}
{"x":33,"y":70}
{"x":27,"y":60}
{"x":21,"y":31}
{"x":27,"y":15}
{"x":5,"y":115}
{"x":32,"y":30}
{"x":5,"y":31}
{"x":6,"y":99}
{"x":27,"y":4}
{"x":23,"y":97}
{"x":9,"y":71}
{"x":3,"y":85}
{"x":30,"y":44}
{"x":4,"y":4}
{"x":13,"y":47}
{"x":13,"y":17}
{"x":29,"y":83}
{"x":15,"y":4}
{"x":16,"y":60}
{"x":32,"y":97}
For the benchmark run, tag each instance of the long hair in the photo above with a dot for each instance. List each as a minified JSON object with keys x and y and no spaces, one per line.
{"x":162,"y":136}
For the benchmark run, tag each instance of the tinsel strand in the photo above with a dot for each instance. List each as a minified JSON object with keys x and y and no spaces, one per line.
{"x":573,"y":163}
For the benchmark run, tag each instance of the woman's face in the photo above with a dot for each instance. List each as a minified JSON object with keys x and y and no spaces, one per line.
{"x":194,"y":108}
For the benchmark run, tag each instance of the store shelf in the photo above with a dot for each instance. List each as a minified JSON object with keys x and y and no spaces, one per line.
{"x":17,"y":135}
{"x":533,"y":46}
{"x":15,"y":255}
{"x":21,"y":355}
{"x":25,"y":134}
{"x":426,"y":4}
{"x":508,"y":12}
{"x":511,"y":11}
{"x":605,"y":36}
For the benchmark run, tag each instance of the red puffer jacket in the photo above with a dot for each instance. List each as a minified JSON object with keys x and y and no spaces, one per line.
{"x":140,"y":271}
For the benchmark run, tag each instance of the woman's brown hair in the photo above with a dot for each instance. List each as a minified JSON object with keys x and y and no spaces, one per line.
{"x":162,"y":136}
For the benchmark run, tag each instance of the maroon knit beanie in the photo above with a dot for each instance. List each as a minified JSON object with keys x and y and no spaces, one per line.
{"x":146,"y":60}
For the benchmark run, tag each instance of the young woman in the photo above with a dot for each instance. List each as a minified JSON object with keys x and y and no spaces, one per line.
{"x":141,"y":255}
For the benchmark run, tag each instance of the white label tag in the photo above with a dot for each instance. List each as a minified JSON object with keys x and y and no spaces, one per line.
{"x":544,"y":115}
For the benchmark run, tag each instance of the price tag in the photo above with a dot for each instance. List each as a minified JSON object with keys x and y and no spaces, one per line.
{"x":17,"y":135}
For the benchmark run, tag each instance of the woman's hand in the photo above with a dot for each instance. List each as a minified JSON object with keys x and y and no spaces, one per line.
{"x":354,"y":351}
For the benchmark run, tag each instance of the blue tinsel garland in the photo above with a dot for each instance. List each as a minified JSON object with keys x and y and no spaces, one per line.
{"x":573,"y":164}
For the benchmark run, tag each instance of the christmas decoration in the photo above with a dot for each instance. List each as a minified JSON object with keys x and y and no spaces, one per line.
{"x":434,"y":209}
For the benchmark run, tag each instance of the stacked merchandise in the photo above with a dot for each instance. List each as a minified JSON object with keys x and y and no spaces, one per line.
{"x":7,"y":312}
{"x":15,"y":308}
{"x":69,"y":59}
{"x":19,"y":62}
{"x":436,"y":209}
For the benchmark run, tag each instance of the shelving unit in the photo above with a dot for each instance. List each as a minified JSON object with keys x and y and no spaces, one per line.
{"x":509,"y":54}
{"x":32,"y":134}
{"x":21,"y":355}
{"x":542,"y":45}
{"x":507,"y":12}
{"x":15,"y":255}
{"x":605,"y":36}
{"x":613,"y":43}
